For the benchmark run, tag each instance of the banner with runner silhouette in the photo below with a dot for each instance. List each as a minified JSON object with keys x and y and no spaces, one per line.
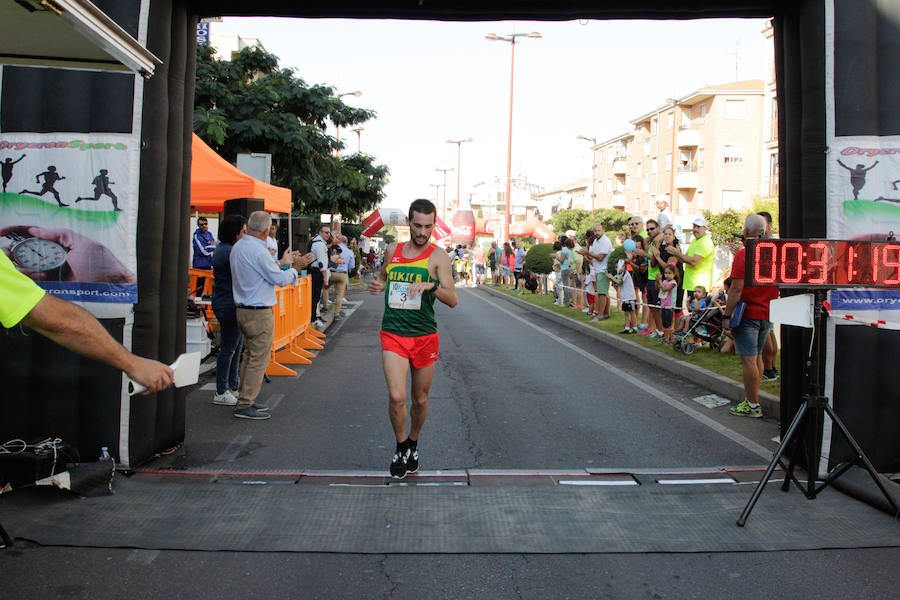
{"x":65,"y":207}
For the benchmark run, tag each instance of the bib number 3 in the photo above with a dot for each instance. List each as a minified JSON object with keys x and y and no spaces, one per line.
{"x":398,"y":297}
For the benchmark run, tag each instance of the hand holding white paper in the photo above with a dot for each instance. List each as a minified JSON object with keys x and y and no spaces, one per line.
{"x":187,"y":372}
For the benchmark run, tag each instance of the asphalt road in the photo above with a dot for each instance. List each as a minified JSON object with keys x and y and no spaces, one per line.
{"x":512,"y":391}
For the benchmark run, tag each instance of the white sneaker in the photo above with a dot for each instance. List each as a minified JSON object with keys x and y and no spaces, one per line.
{"x":226,"y":399}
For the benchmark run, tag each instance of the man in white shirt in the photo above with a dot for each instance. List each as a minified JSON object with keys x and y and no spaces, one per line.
{"x":598,"y":253}
{"x":254,"y":276}
{"x":318,"y":270}
{"x":665,"y":215}
{"x":272,"y":242}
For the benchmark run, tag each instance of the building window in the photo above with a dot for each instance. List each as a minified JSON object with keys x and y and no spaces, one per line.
{"x":670,"y":121}
{"x":647,"y":182}
{"x":627,"y":182}
{"x":699,"y":197}
{"x":655,"y":166}
{"x":668,"y":161}
{"x":773,"y":123}
{"x":704,"y":108}
{"x":732,"y":199}
{"x":733,"y":154}
{"x":638,"y":170}
{"x":699,"y":158}
{"x":773,"y":175}
{"x":734,"y":109}
{"x":647,"y":147}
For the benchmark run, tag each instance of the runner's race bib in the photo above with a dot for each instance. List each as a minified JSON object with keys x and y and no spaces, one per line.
{"x":398,"y":297}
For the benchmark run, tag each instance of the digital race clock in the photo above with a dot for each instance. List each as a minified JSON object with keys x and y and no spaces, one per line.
{"x":822,"y":263}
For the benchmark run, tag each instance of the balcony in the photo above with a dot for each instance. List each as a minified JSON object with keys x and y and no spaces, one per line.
{"x":688,"y":138}
{"x":687,"y":178}
{"x":618,"y":199}
{"x":620,"y":166}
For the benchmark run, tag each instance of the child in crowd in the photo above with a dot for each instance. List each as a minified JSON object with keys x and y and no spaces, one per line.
{"x":696,"y":307}
{"x":719,"y":300}
{"x":667,"y":282}
{"x":625,"y":290}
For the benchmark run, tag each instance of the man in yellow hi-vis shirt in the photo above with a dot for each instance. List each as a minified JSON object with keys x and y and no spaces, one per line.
{"x":22,"y":301}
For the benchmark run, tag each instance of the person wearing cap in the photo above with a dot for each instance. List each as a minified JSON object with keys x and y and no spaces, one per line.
{"x":698,"y":258}
{"x":665,"y":215}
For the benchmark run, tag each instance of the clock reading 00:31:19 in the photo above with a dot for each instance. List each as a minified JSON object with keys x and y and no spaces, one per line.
{"x":822,"y":263}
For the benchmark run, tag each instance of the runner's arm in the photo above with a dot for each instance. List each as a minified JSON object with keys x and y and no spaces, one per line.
{"x":445,"y":289}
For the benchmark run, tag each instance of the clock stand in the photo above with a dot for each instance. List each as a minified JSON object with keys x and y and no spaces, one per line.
{"x":804,"y":436}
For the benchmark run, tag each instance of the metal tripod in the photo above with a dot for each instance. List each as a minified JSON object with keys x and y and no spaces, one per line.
{"x":807,"y":424}
{"x":5,"y":539}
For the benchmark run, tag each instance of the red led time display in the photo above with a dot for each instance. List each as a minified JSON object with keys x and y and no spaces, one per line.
{"x":822,"y":263}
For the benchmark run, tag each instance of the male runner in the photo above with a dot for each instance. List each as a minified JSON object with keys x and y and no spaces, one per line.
{"x":412,"y":276}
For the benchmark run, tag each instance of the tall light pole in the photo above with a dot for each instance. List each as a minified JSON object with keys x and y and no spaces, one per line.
{"x":593,"y":142}
{"x":337,"y":129}
{"x":358,"y":131}
{"x":444,"y":212}
{"x":437,"y":187}
{"x":511,"y":38}
{"x":459,"y":144}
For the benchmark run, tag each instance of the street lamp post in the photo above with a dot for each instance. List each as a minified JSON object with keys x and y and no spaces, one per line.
{"x":511,"y":38}
{"x":437,"y":187}
{"x":337,"y":129}
{"x":358,"y":131}
{"x":444,"y":211}
{"x":593,"y":142}
{"x":459,"y":144}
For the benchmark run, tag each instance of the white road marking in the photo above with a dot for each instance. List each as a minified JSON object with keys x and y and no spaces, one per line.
{"x":233,"y":449}
{"x":734,"y":436}
{"x":582,"y":482}
{"x":694,"y":481}
{"x":711,"y":400}
{"x":144,"y":557}
{"x":274,"y":400}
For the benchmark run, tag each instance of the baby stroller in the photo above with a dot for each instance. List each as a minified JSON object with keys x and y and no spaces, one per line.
{"x":706,"y":328}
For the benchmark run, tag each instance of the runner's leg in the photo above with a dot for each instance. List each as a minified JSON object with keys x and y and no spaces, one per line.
{"x":421,"y":385}
{"x":395,"y":369}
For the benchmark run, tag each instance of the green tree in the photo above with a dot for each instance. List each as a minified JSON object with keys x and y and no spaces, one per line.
{"x":723,"y":225}
{"x":538,"y":260}
{"x":249,"y":104}
{"x":581,"y":220}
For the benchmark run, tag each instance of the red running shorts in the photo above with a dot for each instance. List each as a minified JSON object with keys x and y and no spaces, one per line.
{"x":421,"y":350}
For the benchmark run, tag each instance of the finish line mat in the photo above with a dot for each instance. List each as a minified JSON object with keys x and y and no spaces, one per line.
{"x":390,"y":519}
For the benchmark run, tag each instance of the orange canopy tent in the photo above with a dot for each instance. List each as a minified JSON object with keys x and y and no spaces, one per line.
{"x":214,"y":180}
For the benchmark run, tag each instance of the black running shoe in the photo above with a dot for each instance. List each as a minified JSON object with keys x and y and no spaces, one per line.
{"x":398,"y":464}
{"x":412,"y":461}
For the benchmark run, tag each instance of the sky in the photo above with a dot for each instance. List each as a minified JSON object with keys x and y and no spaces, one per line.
{"x":431,"y":81}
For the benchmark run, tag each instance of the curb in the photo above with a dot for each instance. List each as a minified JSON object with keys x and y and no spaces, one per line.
{"x":721,"y":385}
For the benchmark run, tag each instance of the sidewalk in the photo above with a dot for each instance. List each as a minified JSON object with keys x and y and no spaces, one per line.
{"x":721,"y":385}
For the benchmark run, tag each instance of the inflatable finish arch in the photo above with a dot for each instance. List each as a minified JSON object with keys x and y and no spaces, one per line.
{"x":855,"y":95}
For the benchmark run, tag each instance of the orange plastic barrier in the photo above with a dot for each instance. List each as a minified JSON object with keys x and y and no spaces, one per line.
{"x":294,"y":335}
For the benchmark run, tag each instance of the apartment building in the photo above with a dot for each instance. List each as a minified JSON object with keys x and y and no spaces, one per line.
{"x":700,"y":152}
{"x":770,"y":122}
{"x":488,"y":199}
{"x":576,"y":194}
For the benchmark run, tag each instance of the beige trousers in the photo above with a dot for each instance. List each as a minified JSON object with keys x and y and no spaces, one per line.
{"x":258,"y":327}
{"x":338,"y":282}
